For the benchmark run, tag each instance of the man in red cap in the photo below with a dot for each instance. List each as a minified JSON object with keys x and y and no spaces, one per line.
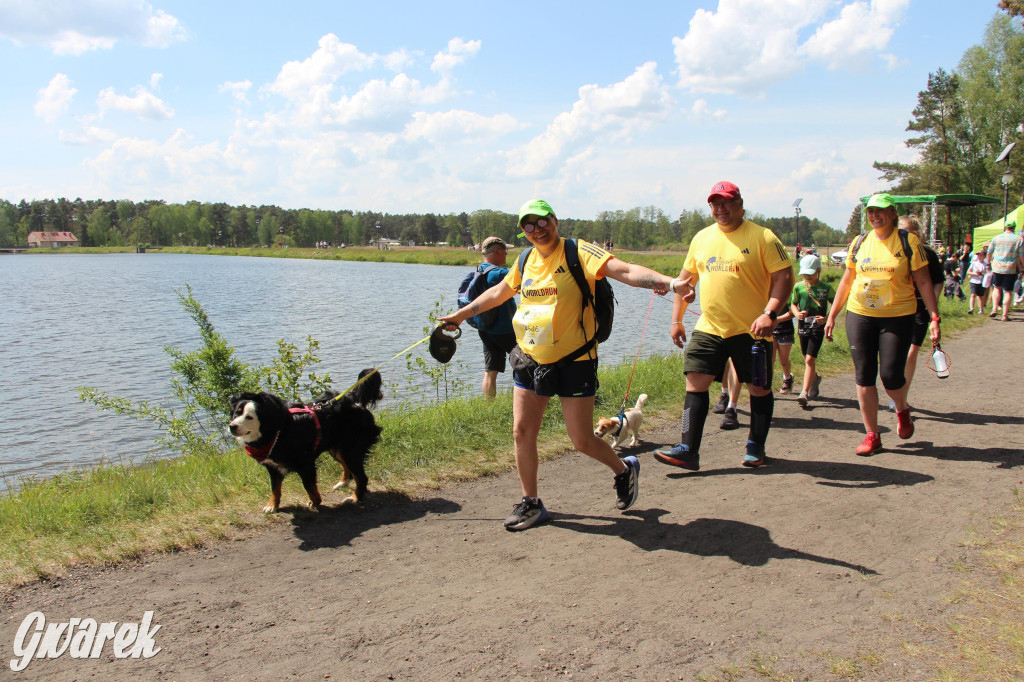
{"x":745,"y":278}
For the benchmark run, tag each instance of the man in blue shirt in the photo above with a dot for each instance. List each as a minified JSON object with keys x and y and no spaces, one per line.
{"x":499,"y":338}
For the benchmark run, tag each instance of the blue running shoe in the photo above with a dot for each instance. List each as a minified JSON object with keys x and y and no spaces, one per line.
{"x":754,"y":456}
{"x":679,"y":456}
{"x":627,"y":484}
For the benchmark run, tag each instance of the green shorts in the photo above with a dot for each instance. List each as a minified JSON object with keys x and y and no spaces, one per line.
{"x":707,"y":354}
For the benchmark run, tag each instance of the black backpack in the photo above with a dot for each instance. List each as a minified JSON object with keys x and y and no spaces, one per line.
{"x":603,"y":298}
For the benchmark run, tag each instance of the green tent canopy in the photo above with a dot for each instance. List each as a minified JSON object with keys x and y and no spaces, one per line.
{"x":934,"y":201}
{"x":984,"y":233}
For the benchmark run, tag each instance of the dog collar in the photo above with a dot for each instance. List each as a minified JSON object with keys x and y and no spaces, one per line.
{"x":261,"y":454}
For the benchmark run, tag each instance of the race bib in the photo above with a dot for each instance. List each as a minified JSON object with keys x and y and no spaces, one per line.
{"x":873,"y":293}
{"x":534,"y":325}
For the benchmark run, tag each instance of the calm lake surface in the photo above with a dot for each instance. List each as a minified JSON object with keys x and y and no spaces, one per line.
{"x":103,"y":321}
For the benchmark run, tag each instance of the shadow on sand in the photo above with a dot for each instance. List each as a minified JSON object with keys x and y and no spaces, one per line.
{"x":743,"y":543}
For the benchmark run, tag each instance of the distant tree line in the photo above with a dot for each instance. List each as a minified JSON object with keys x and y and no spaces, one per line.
{"x":961,"y":123}
{"x":126,"y":223}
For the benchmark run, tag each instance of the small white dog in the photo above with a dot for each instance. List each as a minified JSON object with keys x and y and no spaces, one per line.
{"x":628,"y":421}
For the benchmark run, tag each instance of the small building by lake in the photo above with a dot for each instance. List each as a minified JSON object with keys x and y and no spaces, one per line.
{"x":53,"y":240}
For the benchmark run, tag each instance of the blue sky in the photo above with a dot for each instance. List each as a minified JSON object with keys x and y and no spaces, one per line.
{"x":456,"y":106}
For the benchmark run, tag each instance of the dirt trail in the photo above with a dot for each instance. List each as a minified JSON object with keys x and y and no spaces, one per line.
{"x":820,"y":557}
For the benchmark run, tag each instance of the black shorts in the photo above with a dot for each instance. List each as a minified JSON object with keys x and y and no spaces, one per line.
{"x":879,"y":345}
{"x":810,"y":344}
{"x":783,"y":333}
{"x":1004,"y":282}
{"x":576,"y":380}
{"x":707,"y":354}
{"x":978,"y":289}
{"x":496,"y":347}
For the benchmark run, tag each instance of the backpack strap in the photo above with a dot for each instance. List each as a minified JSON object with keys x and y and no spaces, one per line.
{"x":572,"y":257}
{"x":904,"y":241}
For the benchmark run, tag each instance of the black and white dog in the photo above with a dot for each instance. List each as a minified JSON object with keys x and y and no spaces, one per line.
{"x":288,"y":437}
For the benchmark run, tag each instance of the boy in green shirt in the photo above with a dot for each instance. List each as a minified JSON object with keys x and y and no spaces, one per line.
{"x":809,"y":303}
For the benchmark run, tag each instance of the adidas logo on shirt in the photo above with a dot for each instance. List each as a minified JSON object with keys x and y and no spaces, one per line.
{"x":746,"y":251}
{"x":560,"y":270}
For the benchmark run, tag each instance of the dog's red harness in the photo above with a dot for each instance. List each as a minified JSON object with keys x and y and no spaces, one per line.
{"x":316,"y":422}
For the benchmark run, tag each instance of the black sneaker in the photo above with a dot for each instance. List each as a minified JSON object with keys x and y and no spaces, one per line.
{"x":527,"y":513}
{"x":627,"y":484}
{"x":722,"y":403}
{"x":787,"y":384}
{"x":729,"y":420}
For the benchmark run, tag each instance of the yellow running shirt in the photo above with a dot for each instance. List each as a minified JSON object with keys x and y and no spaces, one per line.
{"x":547,"y":322}
{"x":883,"y":286}
{"x":734,"y":271}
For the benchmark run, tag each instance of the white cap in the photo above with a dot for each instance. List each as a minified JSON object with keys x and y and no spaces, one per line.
{"x":810,"y":264}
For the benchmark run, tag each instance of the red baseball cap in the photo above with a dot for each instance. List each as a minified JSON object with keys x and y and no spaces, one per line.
{"x":724,"y":189}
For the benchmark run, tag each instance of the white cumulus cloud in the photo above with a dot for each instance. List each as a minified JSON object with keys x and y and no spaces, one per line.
{"x":862,"y":29}
{"x":55,"y":98}
{"x":142,"y":103}
{"x":237,"y":89}
{"x":746,"y":46}
{"x":72,"y":27}
{"x":458,"y":51}
{"x":320,"y":70}
{"x":614,"y":111}
{"x":460,"y":125}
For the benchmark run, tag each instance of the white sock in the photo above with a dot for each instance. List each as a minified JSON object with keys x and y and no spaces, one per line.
{"x":732,"y":405}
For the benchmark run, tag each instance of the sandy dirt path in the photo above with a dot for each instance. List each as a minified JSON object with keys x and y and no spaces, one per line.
{"x":818,"y":560}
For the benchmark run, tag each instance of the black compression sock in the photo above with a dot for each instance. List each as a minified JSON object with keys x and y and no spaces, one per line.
{"x":695,"y":413}
{"x":761,"y":410}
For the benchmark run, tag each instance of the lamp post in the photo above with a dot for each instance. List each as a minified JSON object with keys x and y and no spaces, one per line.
{"x":1007,"y":177}
{"x":796,"y":207}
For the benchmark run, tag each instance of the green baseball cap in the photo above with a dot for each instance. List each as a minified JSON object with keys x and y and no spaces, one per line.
{"x":881,"y":201}
{"x":537,"y":207}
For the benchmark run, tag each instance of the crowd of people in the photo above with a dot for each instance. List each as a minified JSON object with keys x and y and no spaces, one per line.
{"x":752,"y":311}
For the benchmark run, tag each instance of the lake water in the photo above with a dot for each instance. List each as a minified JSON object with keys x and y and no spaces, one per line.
{"x":103,"y":321}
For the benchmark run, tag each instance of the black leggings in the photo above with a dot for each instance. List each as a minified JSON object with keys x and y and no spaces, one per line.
{"x":880,"y":342}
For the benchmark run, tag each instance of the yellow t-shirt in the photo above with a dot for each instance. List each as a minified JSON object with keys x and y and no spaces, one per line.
{"x":883,"y":286}
{"x":735,"y":274}
{"x":547,"y":322}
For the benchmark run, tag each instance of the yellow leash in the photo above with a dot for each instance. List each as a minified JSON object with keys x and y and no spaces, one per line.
{"x":370,"y":374}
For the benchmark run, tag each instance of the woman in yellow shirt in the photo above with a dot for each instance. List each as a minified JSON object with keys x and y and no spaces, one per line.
{"x":878,"y":291}
{"x":551,"y":325}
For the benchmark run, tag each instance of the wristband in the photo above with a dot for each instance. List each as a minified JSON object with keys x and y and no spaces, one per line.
{"x":936,"y":319}
{"x":672,"y":284}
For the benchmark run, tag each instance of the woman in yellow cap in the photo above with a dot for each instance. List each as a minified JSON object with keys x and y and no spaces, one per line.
{"x":556,"y":353}
{"x":877,"y":288}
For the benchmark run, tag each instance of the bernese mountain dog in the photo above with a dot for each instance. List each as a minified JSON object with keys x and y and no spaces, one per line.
{"x":286,"y":436}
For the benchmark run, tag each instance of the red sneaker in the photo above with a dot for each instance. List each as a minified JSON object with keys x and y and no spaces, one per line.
{"x":871,"y":443}
{"x":904,"y":424}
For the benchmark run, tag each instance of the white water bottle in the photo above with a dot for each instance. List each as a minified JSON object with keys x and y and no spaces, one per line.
{"x":939,"y":358}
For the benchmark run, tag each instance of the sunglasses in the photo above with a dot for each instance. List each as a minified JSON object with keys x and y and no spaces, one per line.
{"x":530,"y":227}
